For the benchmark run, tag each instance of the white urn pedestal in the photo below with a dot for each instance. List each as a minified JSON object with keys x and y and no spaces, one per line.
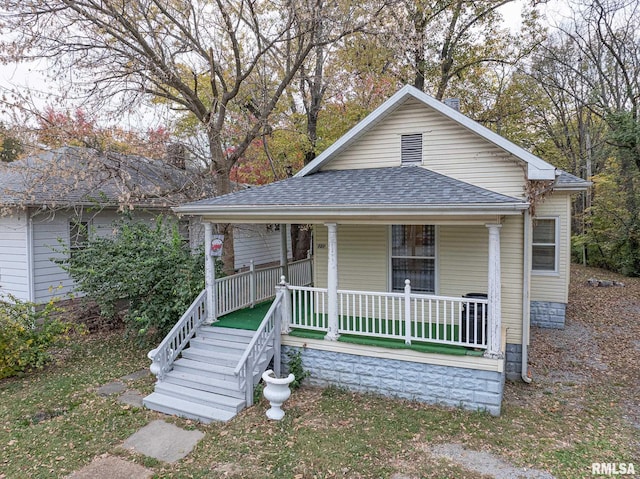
{"x":276,"y":392}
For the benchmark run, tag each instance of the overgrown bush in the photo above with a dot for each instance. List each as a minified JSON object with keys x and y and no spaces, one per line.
{"x":149,"y":268}
{"x":27,"y":332}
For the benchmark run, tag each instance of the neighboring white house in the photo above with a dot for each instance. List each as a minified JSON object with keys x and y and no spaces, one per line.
{"x":419,"y":196}
{"x":45,"y":198}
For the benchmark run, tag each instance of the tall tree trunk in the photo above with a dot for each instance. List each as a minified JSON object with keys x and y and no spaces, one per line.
{"x":220,"y":169}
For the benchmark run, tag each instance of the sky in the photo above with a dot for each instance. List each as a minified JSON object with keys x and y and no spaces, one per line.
{"x":30,"y":76}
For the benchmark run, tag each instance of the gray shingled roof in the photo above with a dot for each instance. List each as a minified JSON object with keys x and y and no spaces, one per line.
{"x":74,"y":176}
{"x":568,"y":180}
{"x":375,"y":186}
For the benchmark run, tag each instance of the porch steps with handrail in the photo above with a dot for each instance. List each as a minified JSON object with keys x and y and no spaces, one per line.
{"x":202,"y":384}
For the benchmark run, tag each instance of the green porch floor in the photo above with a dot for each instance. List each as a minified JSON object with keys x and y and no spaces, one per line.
{"x":250,"y":319}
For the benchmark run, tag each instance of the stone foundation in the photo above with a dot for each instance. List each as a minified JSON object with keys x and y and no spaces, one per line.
{"x":545,"y":314}
{"x":471,"y":389}
{"x":513,"y":365}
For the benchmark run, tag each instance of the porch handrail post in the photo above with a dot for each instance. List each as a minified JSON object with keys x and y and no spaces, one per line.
{"x":209,"y":275}
{"x":277,"y":339}
{"x":252,"y":283}
{"x":284,"y":253}
{"x":407,"y":311}
{"x":286,"y":312}
{"x":332,"y":283}
{"x":494,"y":288}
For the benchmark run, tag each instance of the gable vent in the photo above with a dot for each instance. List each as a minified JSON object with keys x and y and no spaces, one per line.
{"x":411,"y":149}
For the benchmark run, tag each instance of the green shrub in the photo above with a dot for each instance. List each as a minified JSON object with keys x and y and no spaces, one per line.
{"x":27,"y":332}
{"x":296,"y":367}
{"x":148,"y":268}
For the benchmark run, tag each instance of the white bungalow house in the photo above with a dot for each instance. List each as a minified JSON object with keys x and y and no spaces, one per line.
{"x":70,"y":193}
{"x":436,"y":245}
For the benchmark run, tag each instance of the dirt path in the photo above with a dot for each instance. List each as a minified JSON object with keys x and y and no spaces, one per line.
{"x":599,"y":348}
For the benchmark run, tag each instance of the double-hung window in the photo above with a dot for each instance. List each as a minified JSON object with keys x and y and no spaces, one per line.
{"x":545,"y":245}
{"x":413,"y":257}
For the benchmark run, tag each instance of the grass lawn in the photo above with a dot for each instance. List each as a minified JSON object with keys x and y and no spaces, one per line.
{"x":52,"y":422}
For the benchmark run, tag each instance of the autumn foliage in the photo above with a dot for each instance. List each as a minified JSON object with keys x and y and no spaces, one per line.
{"x":63,"y":128}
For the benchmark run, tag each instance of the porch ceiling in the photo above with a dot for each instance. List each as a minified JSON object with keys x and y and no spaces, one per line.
{"x":367,"y":195}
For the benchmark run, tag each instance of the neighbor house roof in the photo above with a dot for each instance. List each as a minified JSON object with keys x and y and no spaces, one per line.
{"x":374,"y":193}
{"x":75,"y":176}
{"x":537,"y":169}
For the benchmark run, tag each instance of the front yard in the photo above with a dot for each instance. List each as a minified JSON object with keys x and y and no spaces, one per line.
{"x":581,"y":408}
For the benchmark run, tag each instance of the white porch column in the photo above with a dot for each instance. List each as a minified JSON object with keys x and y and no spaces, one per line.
{"x":284,"y":260}
{"x":332,"y":282}
{"x":209,"y":274}
{"x":494,"y":287}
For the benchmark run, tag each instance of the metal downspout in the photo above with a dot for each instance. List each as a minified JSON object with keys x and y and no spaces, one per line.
{"x":526,"y":304}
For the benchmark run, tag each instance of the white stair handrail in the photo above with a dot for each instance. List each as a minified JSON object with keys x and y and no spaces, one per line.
{"x":164,"y":355}
{"x":267,"y":333}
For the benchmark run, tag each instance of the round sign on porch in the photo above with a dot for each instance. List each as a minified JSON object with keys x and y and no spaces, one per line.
{"x":217,"y":244}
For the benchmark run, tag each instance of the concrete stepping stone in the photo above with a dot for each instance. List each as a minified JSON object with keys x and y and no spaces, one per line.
{"x":110,"y":467}
{"x":132,"y":398}
{"x":163,"y":441}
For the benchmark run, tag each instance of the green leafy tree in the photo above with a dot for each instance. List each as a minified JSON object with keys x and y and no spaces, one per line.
{"x":11,"y":147}
{"x":27,"y":333}
{"x":147,"y":268}
{"x":223,"y":64}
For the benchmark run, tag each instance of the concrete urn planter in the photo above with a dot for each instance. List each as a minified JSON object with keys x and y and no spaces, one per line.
{"x":276,"y":392}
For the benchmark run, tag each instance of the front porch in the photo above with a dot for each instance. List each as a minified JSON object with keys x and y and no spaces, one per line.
{"x":363,"y":330}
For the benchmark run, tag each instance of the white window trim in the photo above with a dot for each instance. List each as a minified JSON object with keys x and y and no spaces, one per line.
{"x":436,"y":259}
{"x":556,"y":270}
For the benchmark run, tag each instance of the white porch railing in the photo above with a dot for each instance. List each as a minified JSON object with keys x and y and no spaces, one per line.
{"x":246,"y":289}
{"x":163,"y":356}
{"x":407,"y":316}
{"x":268,"y":334}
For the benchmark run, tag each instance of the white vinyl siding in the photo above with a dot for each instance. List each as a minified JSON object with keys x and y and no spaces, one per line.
{"x":555,"y":288}
{"x":14,"y":266}
{"x":362,"y":257}
{"x":448,"y":148}
{"x":511,"y":262}
{"x":462,"y":263}
{"x":50,"y":281}
{"x":462,"y":259}
{"x":463,"y":267}
{"x":51,"y":232}
{"x":257,"y":242}
{"x":260,"y":243}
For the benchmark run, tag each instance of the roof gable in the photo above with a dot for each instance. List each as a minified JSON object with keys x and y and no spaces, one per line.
{"x":537,"y":169}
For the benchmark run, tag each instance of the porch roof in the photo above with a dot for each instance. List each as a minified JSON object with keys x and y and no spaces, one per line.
{"x":374,"y":193}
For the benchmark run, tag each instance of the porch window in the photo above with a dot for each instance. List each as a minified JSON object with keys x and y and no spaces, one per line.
{"x":413,"y":257}
{"x":545,"y":245}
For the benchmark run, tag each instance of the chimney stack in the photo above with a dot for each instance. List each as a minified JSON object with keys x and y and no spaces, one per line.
{"x":177,"y":155}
